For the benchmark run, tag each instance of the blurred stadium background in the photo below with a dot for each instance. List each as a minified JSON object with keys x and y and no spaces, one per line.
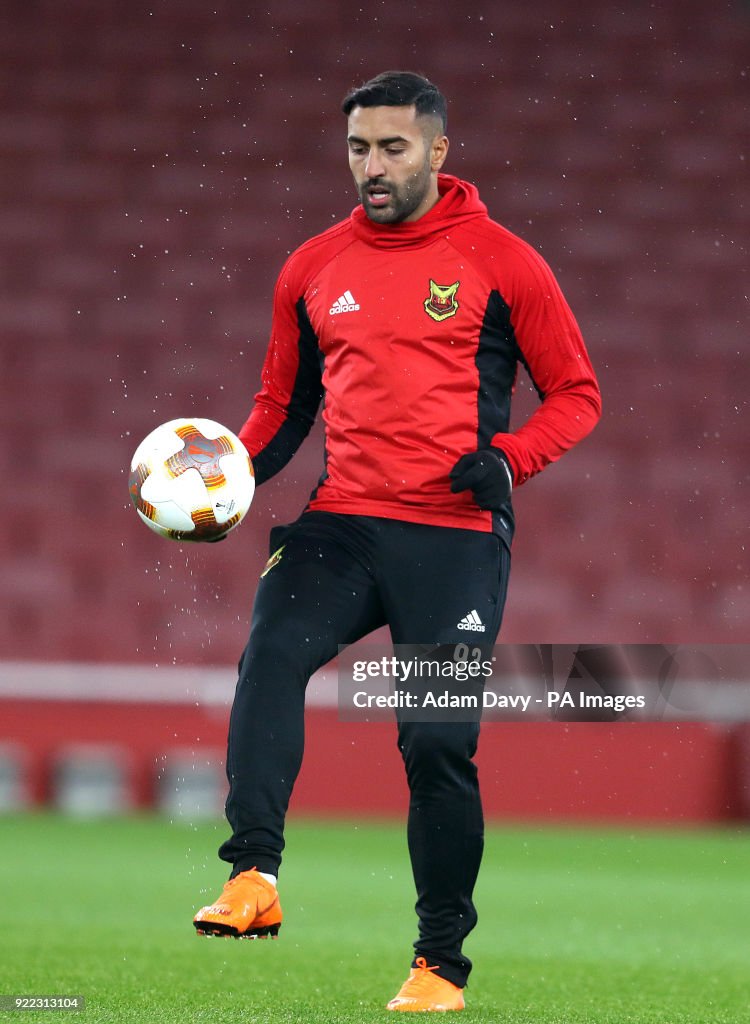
{"x":159,"y":162}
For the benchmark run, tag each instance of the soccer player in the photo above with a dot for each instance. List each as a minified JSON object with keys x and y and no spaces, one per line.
{"x":409,"y":318}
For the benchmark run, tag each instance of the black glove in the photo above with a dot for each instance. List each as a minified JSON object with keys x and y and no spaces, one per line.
{"x":488,"y":474}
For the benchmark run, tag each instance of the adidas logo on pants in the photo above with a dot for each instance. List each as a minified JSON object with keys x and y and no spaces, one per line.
{"x":472,"y":622}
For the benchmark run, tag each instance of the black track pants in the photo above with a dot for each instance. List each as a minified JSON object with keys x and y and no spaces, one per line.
{"x":337,"y":579}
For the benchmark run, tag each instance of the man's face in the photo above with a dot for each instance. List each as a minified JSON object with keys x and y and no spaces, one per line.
{"x":394,"y":157}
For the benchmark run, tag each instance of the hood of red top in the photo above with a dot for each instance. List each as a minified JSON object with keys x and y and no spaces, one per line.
{"x":459,"y":201}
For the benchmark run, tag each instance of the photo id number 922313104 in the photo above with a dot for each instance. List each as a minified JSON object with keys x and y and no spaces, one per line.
{"x":39,"y":1003}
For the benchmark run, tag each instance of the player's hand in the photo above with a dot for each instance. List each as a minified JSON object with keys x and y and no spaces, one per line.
{"x":487,"y":474}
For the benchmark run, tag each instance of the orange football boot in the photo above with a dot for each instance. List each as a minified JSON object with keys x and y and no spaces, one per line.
{"x":423,"y":991}
{"x":248,"y":908}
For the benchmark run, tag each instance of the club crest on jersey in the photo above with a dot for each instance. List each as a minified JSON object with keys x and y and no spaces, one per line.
{"x":441,"y":302}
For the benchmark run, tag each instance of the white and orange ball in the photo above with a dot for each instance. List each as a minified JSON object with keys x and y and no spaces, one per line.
{"x":191,"y":480}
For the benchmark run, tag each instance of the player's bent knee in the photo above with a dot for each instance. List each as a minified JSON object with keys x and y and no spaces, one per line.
{"x":430,"y":745}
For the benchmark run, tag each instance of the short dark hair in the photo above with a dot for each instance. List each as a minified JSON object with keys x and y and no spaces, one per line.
{"x":399,"y":89}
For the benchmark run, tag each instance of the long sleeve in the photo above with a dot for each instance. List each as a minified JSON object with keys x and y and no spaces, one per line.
{"x":291,"y":389}
{"x":553,"y":351}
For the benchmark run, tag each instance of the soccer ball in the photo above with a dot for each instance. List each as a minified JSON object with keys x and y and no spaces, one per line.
{"x":191,"y":480}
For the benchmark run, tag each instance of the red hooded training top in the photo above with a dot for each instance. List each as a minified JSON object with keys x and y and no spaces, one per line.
{"x":412,"y":333}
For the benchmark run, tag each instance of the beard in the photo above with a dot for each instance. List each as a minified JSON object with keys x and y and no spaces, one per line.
{"x":403,"y":199}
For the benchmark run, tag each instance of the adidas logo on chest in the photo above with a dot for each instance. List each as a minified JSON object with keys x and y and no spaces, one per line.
{"x":345,"y":303}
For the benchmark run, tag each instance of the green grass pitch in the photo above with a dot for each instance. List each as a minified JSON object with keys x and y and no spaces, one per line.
{"x":594,"y":926}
